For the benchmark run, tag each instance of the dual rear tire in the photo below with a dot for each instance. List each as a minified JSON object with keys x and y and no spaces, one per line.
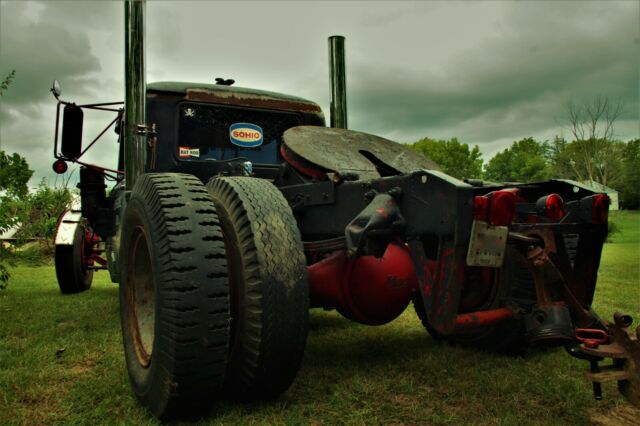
{"x":213,"y":292}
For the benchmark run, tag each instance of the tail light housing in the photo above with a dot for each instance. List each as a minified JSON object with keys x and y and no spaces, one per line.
{"x":480,"y":207}
{"x":600,"y":209}
{"x":60,"y":166}
{"x":497,"y":208}
{"x":551,"y":206}
{"x":502,"y":211}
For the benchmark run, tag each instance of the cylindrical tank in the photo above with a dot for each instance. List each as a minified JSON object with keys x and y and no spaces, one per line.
{"x":366,"y":289}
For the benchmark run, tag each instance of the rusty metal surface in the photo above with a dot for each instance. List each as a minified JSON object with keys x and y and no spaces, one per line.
{"x":347,"y":151}
{"x":440,"y":282}
{"x":545,"y":273}
{"x":252,"y":101}
{"x":237,"y":96}
{"x":624,"y":349}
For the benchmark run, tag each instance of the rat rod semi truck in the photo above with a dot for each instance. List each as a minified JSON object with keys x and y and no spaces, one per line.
{"x":236,"y":210}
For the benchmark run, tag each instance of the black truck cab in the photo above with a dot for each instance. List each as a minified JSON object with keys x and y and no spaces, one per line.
{"x":201,"y":128}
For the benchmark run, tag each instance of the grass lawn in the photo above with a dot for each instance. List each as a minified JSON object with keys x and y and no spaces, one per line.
{"x":61,"y":361}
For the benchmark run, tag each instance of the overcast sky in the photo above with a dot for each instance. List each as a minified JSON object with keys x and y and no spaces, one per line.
{"x":486,"y":72}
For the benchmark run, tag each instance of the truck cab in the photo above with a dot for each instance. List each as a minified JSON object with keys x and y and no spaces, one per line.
{"x":205,"y":129}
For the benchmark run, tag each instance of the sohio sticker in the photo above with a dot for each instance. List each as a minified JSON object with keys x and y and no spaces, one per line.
{"x":246,"y":135}
{"x":186,"y":152}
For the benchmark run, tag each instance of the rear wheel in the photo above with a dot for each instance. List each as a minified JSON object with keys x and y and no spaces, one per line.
{"x":269,"y":289}
{"x":174,"y":300}
{"x":72,"y":271}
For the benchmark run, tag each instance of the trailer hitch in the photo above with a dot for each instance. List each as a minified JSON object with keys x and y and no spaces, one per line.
{"x":622,"y":346}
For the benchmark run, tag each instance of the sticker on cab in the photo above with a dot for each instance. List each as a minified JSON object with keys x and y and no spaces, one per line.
{"x":186,"y":152}
{"x":245,"y":135}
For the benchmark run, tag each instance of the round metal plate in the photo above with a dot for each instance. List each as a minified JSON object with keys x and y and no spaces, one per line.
{"x":348,"y":151}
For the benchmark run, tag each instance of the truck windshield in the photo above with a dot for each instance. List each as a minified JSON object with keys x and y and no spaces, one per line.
{"x":206,"y":132}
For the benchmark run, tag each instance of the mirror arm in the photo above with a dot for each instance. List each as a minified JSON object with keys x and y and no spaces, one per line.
{"x":99,"y":136}
{"x":102,"y":104}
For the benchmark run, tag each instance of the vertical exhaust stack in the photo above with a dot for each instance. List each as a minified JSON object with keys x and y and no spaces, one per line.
{"x":135,"y":149}
{"x":338,"y":81}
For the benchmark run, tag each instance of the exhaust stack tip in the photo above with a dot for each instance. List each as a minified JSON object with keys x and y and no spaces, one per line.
{"x":338,"y":82}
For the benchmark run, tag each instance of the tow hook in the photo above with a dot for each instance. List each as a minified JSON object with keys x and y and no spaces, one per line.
{"x":622,"y":346}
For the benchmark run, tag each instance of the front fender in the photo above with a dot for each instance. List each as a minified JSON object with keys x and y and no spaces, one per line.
{"x":67,"y":226}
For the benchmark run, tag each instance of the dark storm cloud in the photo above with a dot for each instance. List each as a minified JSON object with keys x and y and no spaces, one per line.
{"x":515,"y":84}
{"x":39,"y":49}
{"x":43,"y":41}
{"x":485,"y":72}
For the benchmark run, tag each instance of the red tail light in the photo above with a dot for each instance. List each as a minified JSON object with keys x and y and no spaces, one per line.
{"x":503,"y":208}
{"x":554,"y":207}
{"x":480,"y":207}
{"x":600,"y":209}
{"x":60,"y":167}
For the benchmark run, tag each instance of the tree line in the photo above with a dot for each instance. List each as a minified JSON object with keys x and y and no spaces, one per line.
{"x":592,"y":155}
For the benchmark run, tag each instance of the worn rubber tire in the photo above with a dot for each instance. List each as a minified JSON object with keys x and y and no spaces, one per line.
{"x":516,"y":286}
{"x":174,"y":295}
{"x":269,"y":288}
{"x":73,"y":276}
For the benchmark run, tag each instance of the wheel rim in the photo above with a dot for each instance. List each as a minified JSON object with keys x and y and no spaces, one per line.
{"x":141,"y":309}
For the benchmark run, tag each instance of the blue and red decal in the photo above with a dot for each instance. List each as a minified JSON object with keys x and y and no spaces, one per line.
{"x":245,"y":135}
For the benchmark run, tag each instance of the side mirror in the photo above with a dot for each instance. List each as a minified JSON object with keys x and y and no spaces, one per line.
{"x":71,"y":146}
{"x":55,"y":89}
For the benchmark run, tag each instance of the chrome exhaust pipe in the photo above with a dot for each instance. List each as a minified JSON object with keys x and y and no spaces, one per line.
{"x":338,"y":82}
{"x":135,"y":149}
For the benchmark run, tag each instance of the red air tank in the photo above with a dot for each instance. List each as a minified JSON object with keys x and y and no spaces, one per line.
{"x":367,"y":289}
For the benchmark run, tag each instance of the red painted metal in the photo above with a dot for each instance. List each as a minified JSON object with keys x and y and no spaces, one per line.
{"x":483,"y":318}
{"x":600,"y":209}
{"x":480,"y":207}
{"x":375,"y":291}
{"x":307,"y":171}
{"x":554,"y":207}
{"x":367,"y":289}
{"x":592,"y":337}
{"x":503,"y":208}
{"x":60,"y":166}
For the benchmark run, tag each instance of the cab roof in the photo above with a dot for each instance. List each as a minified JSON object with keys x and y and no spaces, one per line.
{"x":232,"y":95}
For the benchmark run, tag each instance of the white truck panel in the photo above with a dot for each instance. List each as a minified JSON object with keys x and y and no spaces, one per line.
{"x":67,"y":228}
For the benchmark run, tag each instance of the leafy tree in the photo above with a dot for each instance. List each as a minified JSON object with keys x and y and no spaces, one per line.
{"x":630,"y":182}
{"x":8,"y":187}
{"x":567,"y":161}
{"x":557,"y":156}
{"x":525,"y":161}
{"x":456,"y":159}
{"x":14,"y":175}
{"x":4,"y":85}
{"x":40,"y":212}
{"x":37,"y":212}
{"x":594,"y":154}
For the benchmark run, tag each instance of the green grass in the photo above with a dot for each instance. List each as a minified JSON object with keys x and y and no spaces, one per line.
{"x":61,"y":361}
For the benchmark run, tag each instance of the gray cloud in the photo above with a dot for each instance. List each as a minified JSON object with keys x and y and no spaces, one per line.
{"x":486,"y":72}
{"x":512,"y":85}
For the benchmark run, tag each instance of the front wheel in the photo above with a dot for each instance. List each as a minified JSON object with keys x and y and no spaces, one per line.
{"x":174,"y":295}
{"x":72,"y":270}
